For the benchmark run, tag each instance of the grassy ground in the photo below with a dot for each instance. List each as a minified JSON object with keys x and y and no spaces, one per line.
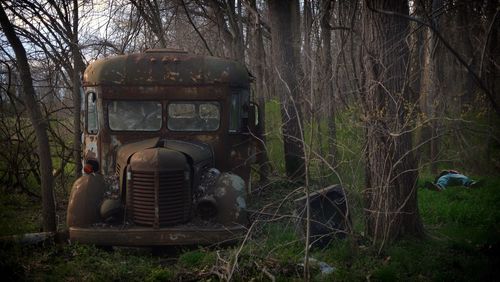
{"x":462,"y":244}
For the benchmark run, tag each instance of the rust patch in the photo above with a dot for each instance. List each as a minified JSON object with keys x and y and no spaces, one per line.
{"x":207,"y":138}
{"x":165,"y":76}
{"x":91,"y":148}
{"x":171,"y":75}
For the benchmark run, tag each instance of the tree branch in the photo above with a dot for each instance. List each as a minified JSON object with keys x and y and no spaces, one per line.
{"x":195,"y":28}
{"x":477,"y":79}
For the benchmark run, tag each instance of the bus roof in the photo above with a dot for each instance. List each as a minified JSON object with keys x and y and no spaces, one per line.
{"x":159,"y":67}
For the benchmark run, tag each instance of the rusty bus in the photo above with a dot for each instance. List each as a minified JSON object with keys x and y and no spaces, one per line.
{"x":167,"y":151}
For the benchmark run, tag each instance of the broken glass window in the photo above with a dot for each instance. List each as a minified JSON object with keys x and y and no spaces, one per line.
{"x":193,"y":116}
{"x":134,"y":115}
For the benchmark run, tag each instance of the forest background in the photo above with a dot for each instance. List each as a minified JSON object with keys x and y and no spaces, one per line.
{"x":375,"y":95}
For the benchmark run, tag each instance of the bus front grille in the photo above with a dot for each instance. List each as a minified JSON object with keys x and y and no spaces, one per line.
{"x":160,"y":199}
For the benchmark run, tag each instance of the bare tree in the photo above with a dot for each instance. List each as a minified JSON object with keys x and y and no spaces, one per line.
{"x":53,"y":28}
{"x":151,"y":12}
{"x":391,"y":174}
{"x":327,"y":71}
{"x":78,"y":68}
{"x":39,"y":123}
{"x":429,"y":96}
{"x":285,"y":33}
{"x":257,"y":58}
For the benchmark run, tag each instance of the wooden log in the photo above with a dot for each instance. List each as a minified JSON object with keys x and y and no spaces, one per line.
{"x":36,"y":238}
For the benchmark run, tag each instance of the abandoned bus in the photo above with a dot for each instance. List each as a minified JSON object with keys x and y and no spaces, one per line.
{"x":167,"y":151}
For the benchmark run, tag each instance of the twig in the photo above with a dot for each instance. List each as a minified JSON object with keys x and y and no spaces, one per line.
{"x":196,"y":29}
{"x":486,"y":42}
{"x":477,"y":79}
{"x":265,"y":271}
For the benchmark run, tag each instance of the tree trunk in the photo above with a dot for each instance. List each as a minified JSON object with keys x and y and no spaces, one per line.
{"x":308,"y":71}
{"x":257,"y":59}
{"x":285,"y":34}
{"x":77,"y":102}
{"x":391,"y":196}
{"x":491,"y":61}
{"x":150,"y":12}
{"x":327,"y":80}
{"x":40,"y":124}
{"x":429,"y":90}
{"x":467,"y":49}
{"x":227,"y":18}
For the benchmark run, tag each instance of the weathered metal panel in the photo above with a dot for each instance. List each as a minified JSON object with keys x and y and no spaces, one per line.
{"x":136,"y":236}
{"x":229,"y":196}
{"x":165,"y":68}
{"x":159,"y":187}
{"x":84,"y":201}
{"x":110,"y":141}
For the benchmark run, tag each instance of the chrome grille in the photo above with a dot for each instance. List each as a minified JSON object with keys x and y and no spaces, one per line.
{"x":172,"y":197}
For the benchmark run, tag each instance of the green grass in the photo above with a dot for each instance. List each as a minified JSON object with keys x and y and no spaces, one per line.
{"x":196,"y":259}
{"x":274,"y":137}
{"x":464,"y":235}
{"x":83,"y":263}
{"x":348,"y":143}
{"x":461,"y":242}
{"x":19,"y":214}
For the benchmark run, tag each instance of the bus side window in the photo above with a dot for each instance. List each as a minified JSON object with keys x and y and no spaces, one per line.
{"x":244,"y":108}
{"x":91,"y":111}
{"x":238,"y":117}
{"x":234,"y":115}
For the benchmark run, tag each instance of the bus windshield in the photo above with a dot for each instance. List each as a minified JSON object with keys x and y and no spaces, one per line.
{"x":135,"y":115}
{"x":193,"y":116}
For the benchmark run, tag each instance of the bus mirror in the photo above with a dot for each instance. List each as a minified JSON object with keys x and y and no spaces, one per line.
{"x":253,"y":116}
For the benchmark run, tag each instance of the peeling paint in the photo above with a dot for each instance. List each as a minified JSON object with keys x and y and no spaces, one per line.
{"x":207,"y":138}
{"x":115,"y":142}
{"x":238,"y":183}
{"x":90,"y":148}
{"x":220,"y":192}
{"x":171,"y":75}
{"x":176,"y":236}
{"x":241,"y":202}
{"x":157,"y":76}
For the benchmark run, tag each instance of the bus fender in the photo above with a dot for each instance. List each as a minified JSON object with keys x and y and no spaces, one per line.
{"x":85,"y":200}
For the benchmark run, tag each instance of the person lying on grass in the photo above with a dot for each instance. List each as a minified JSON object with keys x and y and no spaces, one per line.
{"x":451,"y":178}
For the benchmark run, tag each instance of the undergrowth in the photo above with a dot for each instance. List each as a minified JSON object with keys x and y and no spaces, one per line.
{"x":462,"y":244}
